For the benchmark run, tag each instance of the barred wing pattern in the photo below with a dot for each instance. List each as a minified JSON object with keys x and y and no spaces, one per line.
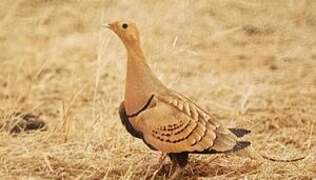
{"x":174,"y":124}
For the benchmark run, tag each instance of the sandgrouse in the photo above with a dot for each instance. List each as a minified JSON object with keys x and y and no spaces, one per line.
{"x":166,"y":120}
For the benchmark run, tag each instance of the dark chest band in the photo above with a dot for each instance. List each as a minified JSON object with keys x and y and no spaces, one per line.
{"x":143,"y":108}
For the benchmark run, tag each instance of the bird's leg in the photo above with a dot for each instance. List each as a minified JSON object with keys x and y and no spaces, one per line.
{"x":161,"y":160}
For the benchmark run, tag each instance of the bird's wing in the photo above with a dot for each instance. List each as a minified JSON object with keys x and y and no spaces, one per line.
{"x":173,"y":123}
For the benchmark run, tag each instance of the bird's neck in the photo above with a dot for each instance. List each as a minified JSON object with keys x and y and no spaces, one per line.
{"x":140,"y":81}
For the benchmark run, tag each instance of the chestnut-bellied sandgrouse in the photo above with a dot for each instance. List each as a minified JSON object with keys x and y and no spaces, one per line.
{"x":166,"y":120}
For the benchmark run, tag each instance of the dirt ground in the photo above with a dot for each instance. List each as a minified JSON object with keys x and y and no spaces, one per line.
{"x":251,"y":63}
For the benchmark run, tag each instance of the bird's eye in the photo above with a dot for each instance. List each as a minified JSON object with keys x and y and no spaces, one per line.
{"x":124,"y":26}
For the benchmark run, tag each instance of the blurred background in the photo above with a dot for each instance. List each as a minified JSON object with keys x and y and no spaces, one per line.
{"x":250,"y":63}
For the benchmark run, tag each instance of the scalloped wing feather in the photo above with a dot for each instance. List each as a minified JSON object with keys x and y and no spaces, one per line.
{"x":175,"y":124}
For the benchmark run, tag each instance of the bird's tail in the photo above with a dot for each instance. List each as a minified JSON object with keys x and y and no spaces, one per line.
{"x":250,"y":152}
{"x":239,"y":132}
{"x":240,"y":145}
{"x":227,"y":141}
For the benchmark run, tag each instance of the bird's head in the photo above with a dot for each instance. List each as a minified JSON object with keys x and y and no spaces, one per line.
{"x":126,"y":31}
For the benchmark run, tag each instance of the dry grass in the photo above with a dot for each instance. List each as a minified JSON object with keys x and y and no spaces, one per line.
{"x":251,"y":63}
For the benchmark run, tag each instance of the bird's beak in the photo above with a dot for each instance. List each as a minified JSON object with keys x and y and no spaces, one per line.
{"x":106,"y":25}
